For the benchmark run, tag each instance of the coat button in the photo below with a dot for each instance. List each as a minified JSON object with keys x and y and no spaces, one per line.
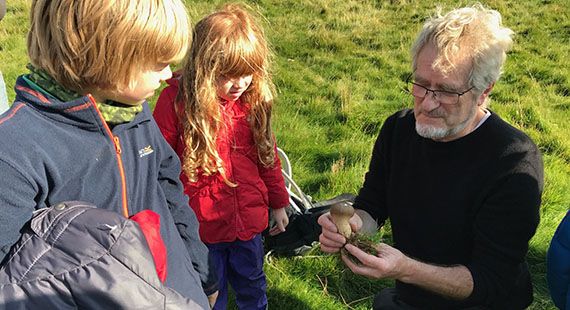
{"x":60,"y":206}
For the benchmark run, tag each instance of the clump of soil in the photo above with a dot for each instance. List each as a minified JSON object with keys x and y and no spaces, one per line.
{"x":362,"y":242}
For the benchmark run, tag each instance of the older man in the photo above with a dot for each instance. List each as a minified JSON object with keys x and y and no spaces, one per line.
{"x":461,"y":187}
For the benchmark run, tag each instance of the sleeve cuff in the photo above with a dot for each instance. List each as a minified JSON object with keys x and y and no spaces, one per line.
{"x":280,"y":200}
{"x":211,"y":289}
{"x":477,"y":295}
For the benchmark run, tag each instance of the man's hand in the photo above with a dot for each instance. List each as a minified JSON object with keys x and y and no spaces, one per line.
{"x":212,"y":299}
{"x":390,"y":262}
{"x":454,"y":282}
{"x":331,"y":241}
{"x":281,"y":221}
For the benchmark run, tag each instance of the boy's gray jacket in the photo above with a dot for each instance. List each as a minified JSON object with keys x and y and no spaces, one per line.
{"x":76,"y":256}
{"x":55,"y":151}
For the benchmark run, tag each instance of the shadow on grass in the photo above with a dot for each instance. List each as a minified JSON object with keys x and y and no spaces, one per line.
{"x":276,"y":299}
{"x":279,"y":299}
{"x":536,"y":259}
{"x":355,"y":291}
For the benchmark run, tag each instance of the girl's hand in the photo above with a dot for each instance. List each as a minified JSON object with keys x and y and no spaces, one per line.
{"x":281,"y":221}
{"x":212,"y":299}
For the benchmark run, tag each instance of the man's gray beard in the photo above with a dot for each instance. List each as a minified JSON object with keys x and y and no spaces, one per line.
{"x":436,"y":133}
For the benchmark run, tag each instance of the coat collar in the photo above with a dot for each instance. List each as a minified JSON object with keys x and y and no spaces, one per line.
{"x":81,"y":112}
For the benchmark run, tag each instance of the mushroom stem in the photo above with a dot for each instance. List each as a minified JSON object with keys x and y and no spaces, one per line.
{"x":340,"y":213}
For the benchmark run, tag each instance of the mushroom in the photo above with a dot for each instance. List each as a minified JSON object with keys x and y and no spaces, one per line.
{"x":341,"y":212}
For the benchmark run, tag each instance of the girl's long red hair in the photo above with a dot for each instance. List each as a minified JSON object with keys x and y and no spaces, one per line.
{"x":229,"y":43}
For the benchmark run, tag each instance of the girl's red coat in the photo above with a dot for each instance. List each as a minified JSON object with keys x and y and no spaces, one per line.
{"x":227,"y":213}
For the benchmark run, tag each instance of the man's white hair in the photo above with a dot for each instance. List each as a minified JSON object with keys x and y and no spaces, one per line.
{"x":474,"y":33}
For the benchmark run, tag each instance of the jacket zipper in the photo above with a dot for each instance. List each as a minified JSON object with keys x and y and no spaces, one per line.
{"x":230,"y":146}
{"x":118,"y":152}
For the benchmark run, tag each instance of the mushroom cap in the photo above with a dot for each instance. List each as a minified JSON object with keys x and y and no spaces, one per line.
{"x":342,"y":208}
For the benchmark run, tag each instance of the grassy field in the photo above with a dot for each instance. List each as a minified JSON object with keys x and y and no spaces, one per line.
{"x":339,"y":70}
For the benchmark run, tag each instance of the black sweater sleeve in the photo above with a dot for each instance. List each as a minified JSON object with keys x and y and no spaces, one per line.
{"x":506,"y":222}
{"x":372,"y":195}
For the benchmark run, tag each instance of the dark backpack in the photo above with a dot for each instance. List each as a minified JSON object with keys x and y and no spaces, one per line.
{"x":303,"y":229}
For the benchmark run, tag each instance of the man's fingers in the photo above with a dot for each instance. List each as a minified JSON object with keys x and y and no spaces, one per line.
{"x":328,"y":242}
{"x":362,"y":256}
{"x":361,"y":270}
{"x":334,"y":236}
{"x":331,"y":241}
{"x":365,"y":258}
{"x":328,"y":249}
{"x":331,"y":244}
{"x":326,"y":222}
{"x":365,"y":268}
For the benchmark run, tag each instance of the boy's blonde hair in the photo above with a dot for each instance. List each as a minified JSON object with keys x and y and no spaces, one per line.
{"x":104,"y":43}
{"x":473,"y":33}
{"x":228,"y":43}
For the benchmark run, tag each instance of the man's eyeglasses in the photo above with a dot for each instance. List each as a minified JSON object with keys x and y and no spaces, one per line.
{"x":441,"y":96}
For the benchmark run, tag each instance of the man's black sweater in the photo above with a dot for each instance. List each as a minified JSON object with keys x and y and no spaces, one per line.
{"x":473,"y":201}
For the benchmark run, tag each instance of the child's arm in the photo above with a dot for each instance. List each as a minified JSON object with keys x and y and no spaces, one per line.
{"x":277,"y":192}
{"x":185,"y":219}
{"x":275,"y":183}
{"x":16,"y":205}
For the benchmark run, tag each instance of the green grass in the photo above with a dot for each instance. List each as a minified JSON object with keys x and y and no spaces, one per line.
{"x":339,"y":68}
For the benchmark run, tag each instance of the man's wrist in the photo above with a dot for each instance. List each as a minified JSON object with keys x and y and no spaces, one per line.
{"x":407,"y":267}
{"x":452,"y":281}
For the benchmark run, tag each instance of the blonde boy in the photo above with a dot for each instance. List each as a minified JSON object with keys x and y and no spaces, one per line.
{"x":80,"y":128}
